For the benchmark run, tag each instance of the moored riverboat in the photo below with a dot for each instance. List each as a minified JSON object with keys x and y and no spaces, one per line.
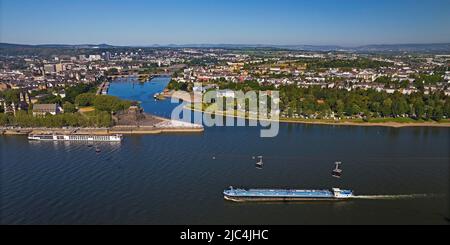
{"x":76,"y":137}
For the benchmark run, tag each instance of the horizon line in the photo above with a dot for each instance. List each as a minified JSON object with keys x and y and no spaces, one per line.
{"x":218,"y":44}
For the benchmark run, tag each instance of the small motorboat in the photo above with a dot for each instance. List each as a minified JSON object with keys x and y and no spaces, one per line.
{"x":260,"y":163}
{"x":97,"y":150}
{"x":337,"y":171}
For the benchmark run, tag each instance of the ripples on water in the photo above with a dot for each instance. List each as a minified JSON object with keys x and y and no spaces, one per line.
{"x":401,"y":175}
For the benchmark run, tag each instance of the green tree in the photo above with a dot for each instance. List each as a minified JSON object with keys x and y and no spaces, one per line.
{"x":69,"y":107}
{"x":110,"y":103}
{"x":419,"y":107}
{"x":447,"y":108}
{"x":11,"y":95}
{"x":51,"y":99}
{"x":356,"y":109}
{"x":428,"y":112}
{"x":86,"y":99}
{"x":3,"y":119}
{"x":438,"y":113}
{"x":73,"y":92}
{"x":367,"y":116}
{"x":399,"y":106}
{"x":404,"y":84}
{"x":340,"y":106}
{"x":386,"y":108}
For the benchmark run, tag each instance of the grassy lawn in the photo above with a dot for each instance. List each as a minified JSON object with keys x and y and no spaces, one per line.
{"x":405,"y":120}
{"x":397,"y":120}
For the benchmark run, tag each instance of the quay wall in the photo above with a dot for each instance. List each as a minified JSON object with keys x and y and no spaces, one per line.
{"x":133,"y":130}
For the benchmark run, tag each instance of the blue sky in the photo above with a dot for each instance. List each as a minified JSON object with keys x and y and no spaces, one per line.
{"x":139,"y":22}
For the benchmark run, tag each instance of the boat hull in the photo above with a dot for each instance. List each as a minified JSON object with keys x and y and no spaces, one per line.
{"x":76,"y":137}
{"x":286,"y":195}
{"x":281,"y":199}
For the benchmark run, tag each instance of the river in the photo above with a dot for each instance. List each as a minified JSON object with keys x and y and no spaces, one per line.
{"x":401,"y":173}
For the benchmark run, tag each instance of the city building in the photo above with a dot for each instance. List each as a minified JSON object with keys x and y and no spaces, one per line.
{"x":44,"y":109}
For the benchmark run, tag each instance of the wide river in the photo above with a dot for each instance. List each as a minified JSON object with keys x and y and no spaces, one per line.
{"x":402,"y":175}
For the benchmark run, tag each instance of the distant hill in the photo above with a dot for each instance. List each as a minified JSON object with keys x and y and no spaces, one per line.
{"x":432,"y":47}
{"x":12,"y":46}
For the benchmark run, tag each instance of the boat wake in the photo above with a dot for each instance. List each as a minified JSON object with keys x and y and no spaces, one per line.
{"x":390,"y":197}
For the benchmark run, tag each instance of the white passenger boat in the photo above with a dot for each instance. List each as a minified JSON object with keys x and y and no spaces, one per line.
{"x":76,"y":137}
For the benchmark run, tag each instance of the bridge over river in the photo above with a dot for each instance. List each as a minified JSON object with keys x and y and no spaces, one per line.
{"x":137,"y":75}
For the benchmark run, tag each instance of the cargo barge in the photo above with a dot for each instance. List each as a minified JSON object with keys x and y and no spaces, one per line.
{"x":76,"y":137}
{"x":260,"y":195}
